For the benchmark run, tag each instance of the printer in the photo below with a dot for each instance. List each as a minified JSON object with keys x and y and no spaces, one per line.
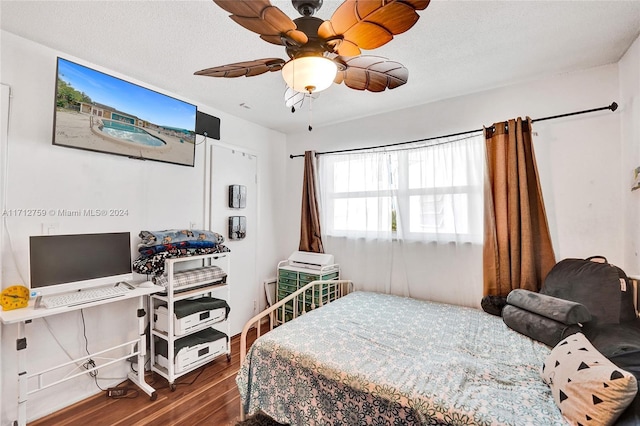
{"x":310,"y":260}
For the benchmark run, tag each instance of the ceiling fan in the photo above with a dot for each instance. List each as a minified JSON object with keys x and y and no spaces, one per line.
{"x":323,"y":52}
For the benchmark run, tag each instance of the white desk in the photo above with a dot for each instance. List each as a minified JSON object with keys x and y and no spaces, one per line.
{"x":26,"y":315}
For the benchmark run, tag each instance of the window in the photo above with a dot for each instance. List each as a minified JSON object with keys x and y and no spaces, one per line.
{"x":431,"y":193}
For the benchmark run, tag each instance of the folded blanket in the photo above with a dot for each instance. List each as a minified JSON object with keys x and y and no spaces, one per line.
{"x":172,"y":236}
{"x":561,"y":310}
{"x":192,"y":276}
{"x":154,"y":264}
{"x":149,"y":250}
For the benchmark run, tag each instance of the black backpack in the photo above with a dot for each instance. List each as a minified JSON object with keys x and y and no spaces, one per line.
{"x":603,"y":288}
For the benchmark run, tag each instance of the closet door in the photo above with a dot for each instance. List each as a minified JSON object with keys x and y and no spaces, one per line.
{"x":4,"y":148}
{"x":4,"y":127}
{"x":234,"y":166}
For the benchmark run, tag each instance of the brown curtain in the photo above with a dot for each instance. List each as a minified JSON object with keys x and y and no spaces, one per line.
{"x":310,"y":239}
{"x":517,"y":245}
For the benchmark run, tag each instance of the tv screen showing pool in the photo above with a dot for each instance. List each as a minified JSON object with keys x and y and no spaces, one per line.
{"x":99,"y":112}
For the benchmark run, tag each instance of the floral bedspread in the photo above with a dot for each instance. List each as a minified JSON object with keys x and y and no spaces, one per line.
{"x":374,"y":359}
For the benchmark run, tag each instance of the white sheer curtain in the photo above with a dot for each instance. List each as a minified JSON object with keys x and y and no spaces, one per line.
{"x":408,"y":221}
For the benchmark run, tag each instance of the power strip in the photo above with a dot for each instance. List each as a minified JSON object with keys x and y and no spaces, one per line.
{"x":117,"y":392}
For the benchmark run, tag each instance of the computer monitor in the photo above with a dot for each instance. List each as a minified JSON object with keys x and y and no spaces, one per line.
{"x":60,"y":263}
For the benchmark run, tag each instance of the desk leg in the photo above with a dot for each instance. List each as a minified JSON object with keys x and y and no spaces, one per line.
{"x":21,"y":346}
{"x":138,"y":378}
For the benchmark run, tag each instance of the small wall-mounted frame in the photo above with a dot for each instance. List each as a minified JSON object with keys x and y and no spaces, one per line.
{"x":237,"y":227}
{"x":237,"y":196}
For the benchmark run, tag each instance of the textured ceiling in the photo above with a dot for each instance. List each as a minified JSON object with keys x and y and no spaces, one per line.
{"x":455,"y":48}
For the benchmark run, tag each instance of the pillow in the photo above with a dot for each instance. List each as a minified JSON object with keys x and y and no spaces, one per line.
{"x":539,"y":328}
{"x":586,"y":386}
{"x":493,"y":304}
{"x":601,"y":287}
{"x":630,"y":361}
{"x":564,"y":311}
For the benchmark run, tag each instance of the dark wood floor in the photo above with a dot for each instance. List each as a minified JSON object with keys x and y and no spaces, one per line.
{"x":206,"y":396}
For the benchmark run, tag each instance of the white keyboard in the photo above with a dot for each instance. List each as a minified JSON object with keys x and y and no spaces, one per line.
{"x":81,"y":297}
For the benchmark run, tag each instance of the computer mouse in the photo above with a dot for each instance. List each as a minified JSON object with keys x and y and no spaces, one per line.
{"x":146,"y":284}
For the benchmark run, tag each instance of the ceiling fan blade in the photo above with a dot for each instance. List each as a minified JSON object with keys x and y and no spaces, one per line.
{"x":247,"y":69}
{"x":370,"y":24}
{"x":261,"y":17}
{"x":243,"y":7}
{"x":372,"y":73}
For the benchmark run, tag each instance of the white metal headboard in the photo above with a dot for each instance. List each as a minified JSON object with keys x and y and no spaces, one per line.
{"x":635,"y":280}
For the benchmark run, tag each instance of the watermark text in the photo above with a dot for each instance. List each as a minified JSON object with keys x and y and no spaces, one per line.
{"x":65,"y":212}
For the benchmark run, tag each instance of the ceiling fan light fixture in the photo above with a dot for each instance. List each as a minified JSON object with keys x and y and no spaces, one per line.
{"x":309,"y":74}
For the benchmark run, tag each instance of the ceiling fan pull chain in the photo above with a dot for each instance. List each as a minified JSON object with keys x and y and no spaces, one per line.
{"x":293,"y":107}
{"x":310,"y":111}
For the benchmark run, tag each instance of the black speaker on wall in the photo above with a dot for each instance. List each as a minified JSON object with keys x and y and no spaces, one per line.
{"x":237,"y":227}
{"x":207,"y":125}
{"x":237,"y":196}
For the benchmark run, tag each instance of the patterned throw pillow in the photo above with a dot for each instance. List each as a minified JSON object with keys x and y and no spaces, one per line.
{"x":587,"y":387}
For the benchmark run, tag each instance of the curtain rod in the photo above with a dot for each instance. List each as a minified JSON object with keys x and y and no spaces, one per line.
{"x":612,"y":107}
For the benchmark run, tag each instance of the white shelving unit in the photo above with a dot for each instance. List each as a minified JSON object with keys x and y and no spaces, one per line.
{"x":298,"y":270}
{"x":164,"y":334}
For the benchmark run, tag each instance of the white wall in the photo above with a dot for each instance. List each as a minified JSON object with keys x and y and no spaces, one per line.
{"x":4,"y":119}
{"x":578,"y":157}
{"x":630,"y":128}
{"x":42,"y":176}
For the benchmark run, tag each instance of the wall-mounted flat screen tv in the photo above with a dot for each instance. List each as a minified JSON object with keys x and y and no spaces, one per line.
{"x":99,"y":112}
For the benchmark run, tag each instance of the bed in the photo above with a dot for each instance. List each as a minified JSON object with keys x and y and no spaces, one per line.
{"x":369,"y":358}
